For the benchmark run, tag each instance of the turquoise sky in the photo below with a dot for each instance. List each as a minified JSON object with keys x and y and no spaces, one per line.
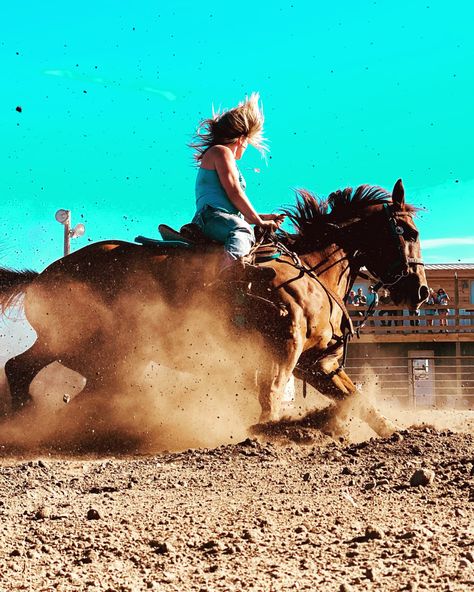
{"x":111,"y":92}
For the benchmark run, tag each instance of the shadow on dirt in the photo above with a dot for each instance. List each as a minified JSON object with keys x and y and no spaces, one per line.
{"x":309,"y":429}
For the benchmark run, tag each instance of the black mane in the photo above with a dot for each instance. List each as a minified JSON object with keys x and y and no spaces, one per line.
{"x":312,"y":217}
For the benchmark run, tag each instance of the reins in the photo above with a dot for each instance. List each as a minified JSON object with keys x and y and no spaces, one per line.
{"x":303,"y":269}
{"x":398,"y":270}
{"x":346,"y":328}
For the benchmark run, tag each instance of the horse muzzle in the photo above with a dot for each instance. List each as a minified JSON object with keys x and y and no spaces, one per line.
{"x":410,"y":290}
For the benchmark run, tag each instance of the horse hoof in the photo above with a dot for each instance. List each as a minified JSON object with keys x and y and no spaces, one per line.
{"x":385,"y":428}
{"x":336,"y":430}
{"x":261,"y":427}
{"x":381,"y":425}
{"x":268,"y":418}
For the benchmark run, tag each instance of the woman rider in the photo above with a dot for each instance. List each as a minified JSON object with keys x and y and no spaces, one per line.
{"x":223,"y":210}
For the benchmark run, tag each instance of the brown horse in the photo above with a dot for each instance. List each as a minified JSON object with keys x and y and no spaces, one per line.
{"x":75,"y":304}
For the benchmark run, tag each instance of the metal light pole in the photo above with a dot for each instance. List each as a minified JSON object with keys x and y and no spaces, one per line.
{"x":64,"y":218}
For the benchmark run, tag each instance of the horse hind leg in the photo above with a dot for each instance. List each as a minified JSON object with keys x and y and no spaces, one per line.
{"x":20,"y":372}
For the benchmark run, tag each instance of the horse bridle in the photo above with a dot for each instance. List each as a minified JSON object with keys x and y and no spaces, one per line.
{"x":401,"y":267}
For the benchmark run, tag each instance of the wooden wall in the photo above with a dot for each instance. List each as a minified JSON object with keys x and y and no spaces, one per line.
{"x":440,"y":278}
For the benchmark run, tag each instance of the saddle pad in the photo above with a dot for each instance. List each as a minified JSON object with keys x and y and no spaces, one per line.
{"x":266,"y":253}
{"x":151,"y":242}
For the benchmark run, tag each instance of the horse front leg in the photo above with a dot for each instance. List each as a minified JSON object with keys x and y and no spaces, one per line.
{"x":272,"y":382}
{"x":336,"y":384}
{"x":357,"y":403}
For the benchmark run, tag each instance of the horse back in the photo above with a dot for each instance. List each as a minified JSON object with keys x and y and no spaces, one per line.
{"x":113,"y":267}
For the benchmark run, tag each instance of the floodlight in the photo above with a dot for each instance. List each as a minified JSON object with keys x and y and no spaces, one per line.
{"x":62,"y":216}
{"x":77,"y":231}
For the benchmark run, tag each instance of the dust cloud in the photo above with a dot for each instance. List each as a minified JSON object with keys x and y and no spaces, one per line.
{"x":405,"y":415}
{"x":352,"y":419}
{"x":171,"y":378}
{"x":155,"y":375}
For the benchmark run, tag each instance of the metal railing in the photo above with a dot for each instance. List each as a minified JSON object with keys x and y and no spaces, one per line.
{"x":448,"y":381}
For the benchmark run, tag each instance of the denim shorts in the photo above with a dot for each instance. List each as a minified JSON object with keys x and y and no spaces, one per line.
{"x":232,"y":230}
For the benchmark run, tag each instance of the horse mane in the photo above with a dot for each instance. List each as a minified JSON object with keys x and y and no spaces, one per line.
{"x":313,"y":217}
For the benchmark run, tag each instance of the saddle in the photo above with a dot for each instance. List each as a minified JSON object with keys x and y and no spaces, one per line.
{"x":190,"y":233}
{"x":191,"y":236}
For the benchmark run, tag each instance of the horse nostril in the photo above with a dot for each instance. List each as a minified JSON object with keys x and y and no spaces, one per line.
{"x":423,"y":293}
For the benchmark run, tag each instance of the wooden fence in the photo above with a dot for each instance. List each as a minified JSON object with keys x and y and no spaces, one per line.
{"x":391,"y":320}
{"x":392,"y":357}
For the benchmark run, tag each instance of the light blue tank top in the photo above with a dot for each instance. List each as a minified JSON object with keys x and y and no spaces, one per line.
{"x":210,"y":192}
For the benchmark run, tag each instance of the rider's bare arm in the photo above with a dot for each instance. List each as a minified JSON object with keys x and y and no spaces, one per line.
{"x":224,"y":163}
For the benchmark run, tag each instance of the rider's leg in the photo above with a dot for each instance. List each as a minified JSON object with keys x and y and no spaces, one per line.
{"x":230,"y":229}
{"x":238,"y":238}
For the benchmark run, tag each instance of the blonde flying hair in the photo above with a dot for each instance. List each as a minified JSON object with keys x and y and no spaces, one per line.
{"x":227,"y":126}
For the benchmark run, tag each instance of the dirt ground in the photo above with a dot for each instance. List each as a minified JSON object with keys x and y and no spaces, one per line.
{"x":293,"y":510}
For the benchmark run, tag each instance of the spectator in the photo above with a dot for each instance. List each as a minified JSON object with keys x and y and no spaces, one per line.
{"x":351,"y":301}
{"x":430,"y":312}
{"x":372,"y":300}
{"x":360,"y":298}
{"x":414,"y":322}
{"x":385,"y":300}
{"x":373,"y":297}
{"x":442,"y":299}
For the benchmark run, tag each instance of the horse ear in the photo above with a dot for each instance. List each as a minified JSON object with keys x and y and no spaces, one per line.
{"x":398,"y":195}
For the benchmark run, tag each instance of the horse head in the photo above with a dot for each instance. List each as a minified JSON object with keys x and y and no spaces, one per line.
{"x":374,"y":228}
{"x":391,"y":251}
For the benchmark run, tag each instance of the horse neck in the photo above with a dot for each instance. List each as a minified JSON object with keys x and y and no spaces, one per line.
{"x":333,"y":266}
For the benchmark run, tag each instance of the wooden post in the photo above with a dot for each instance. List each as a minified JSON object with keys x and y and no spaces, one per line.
{"x":459,"y":388}
{"x":457,"y":320}
{"x":458,"y":344}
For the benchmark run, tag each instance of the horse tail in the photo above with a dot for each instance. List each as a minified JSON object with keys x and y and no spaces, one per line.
{"x":12,"y":285}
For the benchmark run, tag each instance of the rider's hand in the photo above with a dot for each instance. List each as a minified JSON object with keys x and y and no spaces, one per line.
{"x":272,"y":221}
{"x":279,"y":219}
{"x":270,"y":225}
